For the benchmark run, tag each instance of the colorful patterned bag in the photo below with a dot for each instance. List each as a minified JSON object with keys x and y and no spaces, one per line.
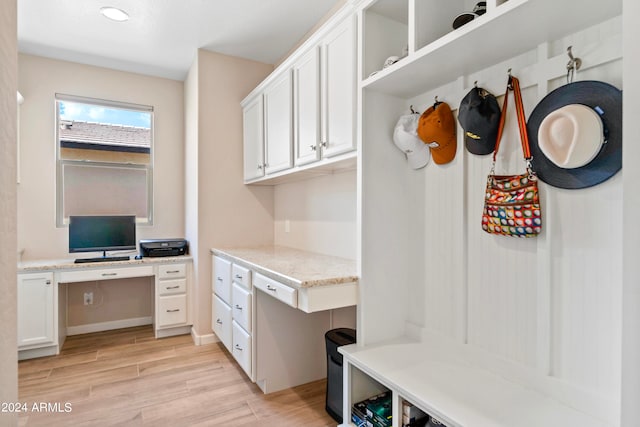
{"x":512,"y":204}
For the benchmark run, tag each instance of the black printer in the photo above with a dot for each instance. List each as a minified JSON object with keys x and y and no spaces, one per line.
{"x":163,"y":247}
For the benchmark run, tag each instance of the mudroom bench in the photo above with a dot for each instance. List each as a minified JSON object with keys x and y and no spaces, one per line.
{"x":448,"y":386}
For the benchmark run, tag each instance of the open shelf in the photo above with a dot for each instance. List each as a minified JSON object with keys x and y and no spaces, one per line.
{"x":504,"y":31}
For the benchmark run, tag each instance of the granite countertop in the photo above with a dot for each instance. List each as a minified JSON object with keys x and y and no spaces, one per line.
{"x":68,"y":264}
{"x":293,"y":267}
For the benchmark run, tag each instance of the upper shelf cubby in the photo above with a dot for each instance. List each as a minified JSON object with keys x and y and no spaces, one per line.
{"x":438,"y":54}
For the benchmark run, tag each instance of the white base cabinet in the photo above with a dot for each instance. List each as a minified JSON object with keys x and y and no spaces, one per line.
{"x":231,"y":315}
{"x":36,"y":310}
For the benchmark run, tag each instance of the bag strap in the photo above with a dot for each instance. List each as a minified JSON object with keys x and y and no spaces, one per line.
{"x":514,"y":85}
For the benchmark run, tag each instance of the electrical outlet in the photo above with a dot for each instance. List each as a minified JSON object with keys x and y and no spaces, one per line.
{"x":88,"y":298}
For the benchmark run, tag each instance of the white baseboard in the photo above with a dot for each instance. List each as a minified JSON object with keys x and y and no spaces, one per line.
{"x":203,"y":339}
{"x":107,"y":326}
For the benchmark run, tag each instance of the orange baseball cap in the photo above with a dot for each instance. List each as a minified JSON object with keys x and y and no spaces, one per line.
{"x":437,"y":129}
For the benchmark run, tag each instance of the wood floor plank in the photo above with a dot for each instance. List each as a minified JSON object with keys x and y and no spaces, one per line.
{"x":128,"y":378}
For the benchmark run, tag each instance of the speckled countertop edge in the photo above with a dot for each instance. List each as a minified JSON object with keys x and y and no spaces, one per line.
{"x":68,"y":264}
{"x":293,"y":267}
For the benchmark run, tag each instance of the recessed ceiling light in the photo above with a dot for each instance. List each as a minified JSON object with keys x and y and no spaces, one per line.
{"x":114,"y":13}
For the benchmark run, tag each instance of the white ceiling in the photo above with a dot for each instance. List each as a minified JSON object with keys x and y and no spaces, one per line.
{"x":162,"y":36}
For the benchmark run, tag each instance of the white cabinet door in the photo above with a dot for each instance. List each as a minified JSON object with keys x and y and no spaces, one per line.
{"x":172,"y":310}
{"x":278,"y":102}
{"x":306,"y":78}
{"x":253,"y":139}
{"x":221,"y":321}
{"x":242,"y":348}
{"x":339,"y":60}
{"x":36,"y":309}
{"x":241,"y":306}
{"x":222,"y":278}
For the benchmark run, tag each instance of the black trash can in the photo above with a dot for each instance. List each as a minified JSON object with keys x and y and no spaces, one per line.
{"x":334,"y":339}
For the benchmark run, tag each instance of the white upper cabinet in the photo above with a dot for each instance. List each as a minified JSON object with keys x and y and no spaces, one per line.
{"x":306,"y":79}
{"x":338,"y":82}
{"x":278,"y":124}
{"x":253,"y":139}
{"x":309,"y":109}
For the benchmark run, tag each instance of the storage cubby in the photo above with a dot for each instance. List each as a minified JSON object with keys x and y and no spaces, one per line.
{"x":385,"y":34}
{"x":434,"y":18}
{"x":361,"y":387}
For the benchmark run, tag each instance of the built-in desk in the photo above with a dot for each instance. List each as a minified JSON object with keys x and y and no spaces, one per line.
{"x":42,"y":326}
{"x":272,"y":306}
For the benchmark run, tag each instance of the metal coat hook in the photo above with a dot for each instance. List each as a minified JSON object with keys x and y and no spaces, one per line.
{"x":436,"y":102}
{"x":412,"y":110}
{"x":573,"y":65}
{"x":475,"y":84}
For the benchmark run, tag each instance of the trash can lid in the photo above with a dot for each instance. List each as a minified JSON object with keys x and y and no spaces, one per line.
{"x":341,"y":336}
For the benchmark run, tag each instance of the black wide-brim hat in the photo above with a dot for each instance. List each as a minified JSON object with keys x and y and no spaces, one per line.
{"x":607,"y":101}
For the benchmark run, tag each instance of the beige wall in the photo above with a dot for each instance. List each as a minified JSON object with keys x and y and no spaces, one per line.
{"x":321,"y":213}
{"x":39,"y":80}
{"x":228,"y":212}
{"x":8,"y":86}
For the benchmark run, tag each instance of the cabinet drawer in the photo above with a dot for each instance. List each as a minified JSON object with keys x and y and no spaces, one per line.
{"x":172,"y":271}
{"x":221,"y":321}
{"x":241,"y":306}
{"x":284,"y":293}
{"x":242,"y":348}
{"x":172,"y":310}
{"x":222,"y":278}
{"x":104,"y":274}
{"x":241,"y":275}
{"x":169,"y":287}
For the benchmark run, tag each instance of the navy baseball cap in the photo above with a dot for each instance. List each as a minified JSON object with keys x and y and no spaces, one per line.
{"x":479,"y":116}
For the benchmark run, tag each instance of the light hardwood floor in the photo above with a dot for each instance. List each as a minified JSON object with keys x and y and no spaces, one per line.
{"x":128,"y":378}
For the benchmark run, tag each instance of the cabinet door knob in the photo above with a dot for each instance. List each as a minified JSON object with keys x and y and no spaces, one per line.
{"x":313,"y":147}
{"x":238,"y":307}
{"x":237,"y":347}
{"x":259,"y":167}
{"x":324,"y":144}
{"x":48,"y":282}
{"x":219,"y":322}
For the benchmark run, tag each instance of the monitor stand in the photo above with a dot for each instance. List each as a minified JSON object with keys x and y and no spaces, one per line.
{"x":103,"y":258}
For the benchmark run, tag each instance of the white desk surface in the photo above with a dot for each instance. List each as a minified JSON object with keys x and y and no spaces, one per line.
{"x":68,"y":264}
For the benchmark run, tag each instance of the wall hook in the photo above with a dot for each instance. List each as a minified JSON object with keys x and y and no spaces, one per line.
{"x":573,"y":65}
{"x":412,"y":110}
{"x":436,"y":102}
{"x":475,"y":84}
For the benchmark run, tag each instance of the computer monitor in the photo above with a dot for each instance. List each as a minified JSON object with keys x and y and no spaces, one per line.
{"x":103,"y":233}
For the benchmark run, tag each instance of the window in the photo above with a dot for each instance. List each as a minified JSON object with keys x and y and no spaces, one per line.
{"x":104,"y":159}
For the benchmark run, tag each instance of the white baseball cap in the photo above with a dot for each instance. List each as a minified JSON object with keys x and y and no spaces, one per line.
{"x":405,"y":137}
{"x":571,"y":136}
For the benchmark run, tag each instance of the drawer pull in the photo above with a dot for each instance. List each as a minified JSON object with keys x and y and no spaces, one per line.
{"x":238,"y":276}
{"x":219,"y":279}
{"x":271,"y":288}
{"x":219,"y":322}
{"x":173,"y":271}
{"x":173,"y":287}
{"x":109,"y":274}
{"x":237,"y":347}
{"x":173,"y":311}
{"x":238,"y":307}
